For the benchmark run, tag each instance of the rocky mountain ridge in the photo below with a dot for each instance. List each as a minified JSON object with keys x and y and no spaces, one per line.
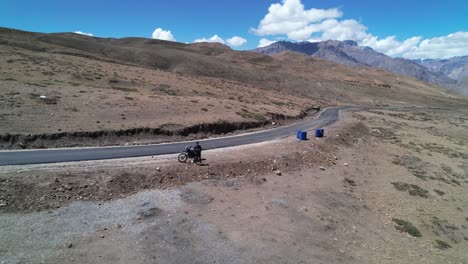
{"x":451,"y":73}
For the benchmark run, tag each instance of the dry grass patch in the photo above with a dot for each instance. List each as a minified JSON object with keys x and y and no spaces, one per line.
{"x":442,"y":245}
{"x":406,"y":227}
{"x":412,"y":189}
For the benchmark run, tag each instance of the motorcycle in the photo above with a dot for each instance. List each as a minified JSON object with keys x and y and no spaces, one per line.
{"x":186,"y":155}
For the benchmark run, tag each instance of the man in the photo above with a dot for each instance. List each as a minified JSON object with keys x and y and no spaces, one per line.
{"x":197,"y":151}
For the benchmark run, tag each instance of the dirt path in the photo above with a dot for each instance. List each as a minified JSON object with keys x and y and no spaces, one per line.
{"x":332,"y":200}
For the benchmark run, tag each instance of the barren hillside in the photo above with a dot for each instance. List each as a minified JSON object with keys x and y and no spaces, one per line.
{"x":384,"y":185}
{"x":68,"y":85}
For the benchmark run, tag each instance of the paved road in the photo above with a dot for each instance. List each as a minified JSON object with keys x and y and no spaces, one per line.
{"x":23,"y":157}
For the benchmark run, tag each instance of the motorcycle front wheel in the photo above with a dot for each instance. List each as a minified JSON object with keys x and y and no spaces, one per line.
{"x":182,"y":157}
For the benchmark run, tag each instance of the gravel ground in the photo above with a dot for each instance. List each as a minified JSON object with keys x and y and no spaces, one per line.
{"x":333,"y":201}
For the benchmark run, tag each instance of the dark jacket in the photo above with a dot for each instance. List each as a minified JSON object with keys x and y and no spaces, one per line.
{"x":197,"y":149}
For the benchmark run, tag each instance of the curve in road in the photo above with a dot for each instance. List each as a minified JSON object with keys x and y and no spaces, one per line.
{"x":24,"y":157}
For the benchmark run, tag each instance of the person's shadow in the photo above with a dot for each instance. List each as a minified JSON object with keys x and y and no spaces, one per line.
{"x":203,"y":164}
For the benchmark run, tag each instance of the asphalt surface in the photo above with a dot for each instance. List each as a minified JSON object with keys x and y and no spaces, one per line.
{"x":24,"y":157}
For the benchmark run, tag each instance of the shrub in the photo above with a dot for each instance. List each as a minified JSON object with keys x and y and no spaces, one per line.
{"x":442,"y":245}
{"x":412,"y":189}
{"x":401,"y":186}
{"x":407,"y":227}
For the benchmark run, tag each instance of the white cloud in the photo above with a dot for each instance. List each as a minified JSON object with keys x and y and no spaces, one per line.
{"x":441,"y":47}
{"x":291,"y":19}
{"x":236,"y":41}
{"x":214,"y":38}
{"x":348,"y":29}
{"x":160,"y":33}
{"x":265,"y":42}
{"x":84,"y":33}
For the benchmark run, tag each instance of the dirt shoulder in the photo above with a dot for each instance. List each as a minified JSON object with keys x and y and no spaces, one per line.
{"x":381,"y":187}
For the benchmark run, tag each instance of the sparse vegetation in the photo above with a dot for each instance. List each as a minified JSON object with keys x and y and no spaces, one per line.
{"x":249,"y":115}
{"x":403,"y":187}
{"x":455,"y":181}
{"x":414,"y":164}
{"x":125,"y":89}
{"x":418,"y":191}
{"x":442,"y":227}
{"x":446,"y":168}
{"x":407,"y":227}
{"x":412,"y":189}
{"x":165,"y":88}
{"x":278,"y":103}
{"x":451,"y":227}
{"x":48,"y":100}
{"x":73,"y":109}
{"x":442,"y":245}
{"x":37,"y":84}
{"x":350,"y":181}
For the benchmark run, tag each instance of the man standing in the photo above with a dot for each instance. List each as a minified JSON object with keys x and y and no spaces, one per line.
{"x":197,"y":150}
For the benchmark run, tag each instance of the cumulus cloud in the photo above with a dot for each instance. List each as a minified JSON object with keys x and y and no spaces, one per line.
{"x":236,"y":41}
{"x":441,"y":47}
{"x":160,"y":33}
{"x":265,"y":42}
{"x":290,"y":18}
{"x":84,"y":33}
{"x":214,"y":38}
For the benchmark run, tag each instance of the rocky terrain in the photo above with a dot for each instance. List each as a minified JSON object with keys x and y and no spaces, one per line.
{"x":455,"y":68}
{"x":381,"y":187}
{"x":449,"y":73}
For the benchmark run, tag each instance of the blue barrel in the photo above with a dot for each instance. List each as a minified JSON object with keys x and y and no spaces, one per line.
{"x":319,"y":132}
{"x":298,"y":135}
{"x":303,"y":135}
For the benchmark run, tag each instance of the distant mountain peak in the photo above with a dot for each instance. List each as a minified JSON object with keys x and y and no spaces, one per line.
{"x":350,"y":43}
{"x":349,"y":53}
{"x":344,"y":43}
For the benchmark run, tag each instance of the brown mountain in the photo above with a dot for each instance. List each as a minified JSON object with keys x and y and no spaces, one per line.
{"x":70,"y":82}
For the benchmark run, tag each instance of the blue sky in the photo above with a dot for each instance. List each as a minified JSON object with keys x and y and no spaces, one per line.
{"x":420,"y":28}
